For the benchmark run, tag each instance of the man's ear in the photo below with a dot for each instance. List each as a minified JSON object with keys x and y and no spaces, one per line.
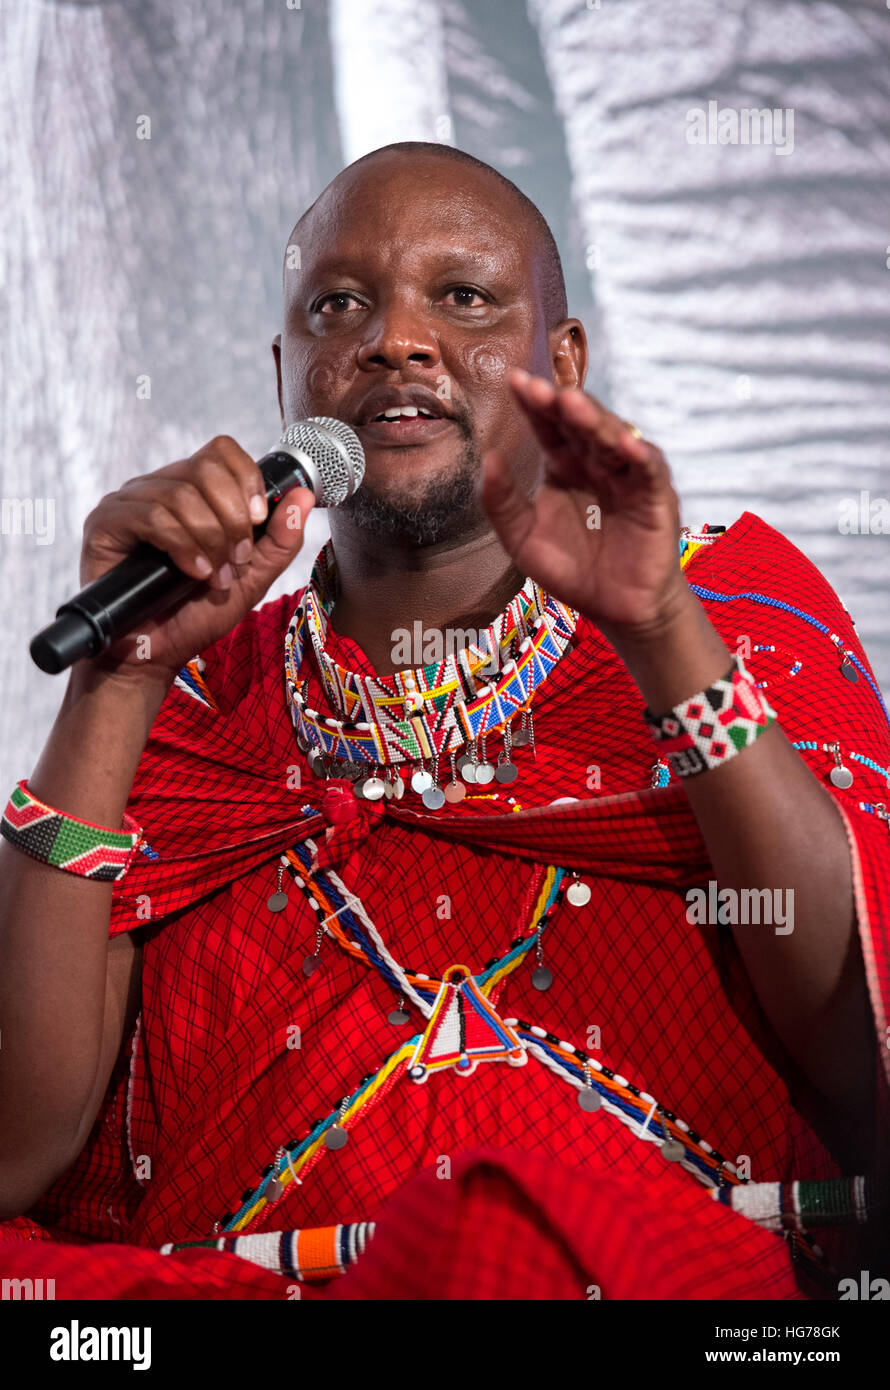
{"x":276,"y":353}
{"x":568,"y":353}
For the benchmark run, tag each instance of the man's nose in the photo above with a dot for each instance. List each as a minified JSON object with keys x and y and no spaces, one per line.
{"x":396,"y":336}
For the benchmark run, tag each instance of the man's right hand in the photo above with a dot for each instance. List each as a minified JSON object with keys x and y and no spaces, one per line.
{"x":69,"y":997}
{"x":198,"y":511}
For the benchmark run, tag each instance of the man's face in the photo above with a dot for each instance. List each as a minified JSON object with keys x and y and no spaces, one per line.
{"x":418,"y":284}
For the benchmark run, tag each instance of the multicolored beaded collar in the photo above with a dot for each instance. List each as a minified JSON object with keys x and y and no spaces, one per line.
{"x":441,"y":710}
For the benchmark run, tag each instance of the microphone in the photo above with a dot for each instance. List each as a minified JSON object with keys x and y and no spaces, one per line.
{"x":321,"y":454}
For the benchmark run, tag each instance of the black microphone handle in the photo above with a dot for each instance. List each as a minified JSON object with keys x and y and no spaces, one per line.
{"x":140,"y":586}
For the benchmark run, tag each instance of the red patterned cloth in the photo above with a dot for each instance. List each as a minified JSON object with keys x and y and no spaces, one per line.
{"x":499,"y":1185}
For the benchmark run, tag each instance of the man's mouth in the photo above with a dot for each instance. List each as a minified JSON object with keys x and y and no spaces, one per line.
{"x":403,"y":426}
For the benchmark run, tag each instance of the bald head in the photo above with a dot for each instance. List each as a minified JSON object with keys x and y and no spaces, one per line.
{"x":422,"y":270}
{"x":547,"y":259}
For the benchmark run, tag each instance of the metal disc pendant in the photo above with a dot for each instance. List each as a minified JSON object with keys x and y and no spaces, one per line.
{"x":542,"y":978}
{"x":277,"y":902}
{"x":484,"y":774}
{"x":849,"y":670}
{"x":433,"y":798}
{"x":335,"y":1137}
{"x":421,"y":781}
{"x":455,"y":791}
{"x":311,"y":965}
{"x":316,"y":762}
{"x":373,"y":788}
{"x":397,"y":1017}
{"x":578,"y":894}
{"x":521,"y":738}
{"x":274,"y":1190}
{"x":589,"y":1100}
{"x":398,"y":788}
{"x":357,"y":791}
{"x":506,"y":772}
{"x":353,"y":771}
{"x":468,"y":772}
{"x":672,"y":1150}
{"x":840,"y":777}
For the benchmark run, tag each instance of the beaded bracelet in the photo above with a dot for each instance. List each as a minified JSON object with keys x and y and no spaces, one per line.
{"x":705,"y":730}
{"x":77,"y":846}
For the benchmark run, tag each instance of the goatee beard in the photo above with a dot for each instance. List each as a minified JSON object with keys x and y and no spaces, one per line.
{"x":448,"y":509}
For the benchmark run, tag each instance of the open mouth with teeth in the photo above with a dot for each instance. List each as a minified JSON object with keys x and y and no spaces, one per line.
{"x":404,"y":412}
{"x":404,"y":425}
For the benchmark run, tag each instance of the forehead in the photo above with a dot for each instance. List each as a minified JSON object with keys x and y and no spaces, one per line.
{"x":416,"y":207}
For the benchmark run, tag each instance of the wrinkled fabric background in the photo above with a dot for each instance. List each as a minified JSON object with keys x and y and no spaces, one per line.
{"x":737,"y":299}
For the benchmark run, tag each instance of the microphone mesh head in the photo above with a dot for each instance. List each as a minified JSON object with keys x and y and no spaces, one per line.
{"x":336,"y":453}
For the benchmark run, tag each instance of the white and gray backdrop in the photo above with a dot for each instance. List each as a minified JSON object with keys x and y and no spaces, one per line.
{"x":736,"y":295}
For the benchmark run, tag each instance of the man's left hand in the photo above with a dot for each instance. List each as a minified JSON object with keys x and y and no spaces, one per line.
{"x":602,"y":531}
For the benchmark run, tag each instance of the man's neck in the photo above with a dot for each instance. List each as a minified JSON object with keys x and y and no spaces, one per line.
{"x":383,"y":588}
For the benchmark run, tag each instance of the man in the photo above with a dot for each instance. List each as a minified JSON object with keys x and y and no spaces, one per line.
{"x":436,"y":972}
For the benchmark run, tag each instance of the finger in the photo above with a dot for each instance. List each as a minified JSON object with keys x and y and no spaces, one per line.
{"x":245,"y":471}
{"x":601,"y":440}
{"x":574,"y":430}
{"x":584,"y":442}
{"x":609,"y":450}
{"x":536,"y":397}
{"x":125,"y":521}
{"x":566,"y":413}
{"x":223,"y":488}
{"x":581,"y":412}
{"x":509,"y":510}
{"x":283,"y":537}
{"x":231,"y":482}
{"x":584,"y":416}
{"x":641,"y":460}
{"x":185,"y":500}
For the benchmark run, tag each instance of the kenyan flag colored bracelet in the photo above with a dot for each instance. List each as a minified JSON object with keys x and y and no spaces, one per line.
{"x":705,"y":730}
{"x":77,"y":846}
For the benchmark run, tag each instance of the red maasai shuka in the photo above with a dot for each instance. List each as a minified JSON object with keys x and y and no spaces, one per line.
{"x":498,"y":1185}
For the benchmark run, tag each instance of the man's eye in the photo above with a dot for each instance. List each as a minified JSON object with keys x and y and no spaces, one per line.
{"x":338,"y":301}
{"x":464,"y":294}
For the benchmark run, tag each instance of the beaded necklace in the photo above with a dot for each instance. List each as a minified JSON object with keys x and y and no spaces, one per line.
{"x":442,"y":711}
{"x":370,"y":697}
{"x":445,"y":714}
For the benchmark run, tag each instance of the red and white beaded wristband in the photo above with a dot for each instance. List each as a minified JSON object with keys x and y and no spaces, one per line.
{"x":707,"y":729}
{"x":77,"y":846}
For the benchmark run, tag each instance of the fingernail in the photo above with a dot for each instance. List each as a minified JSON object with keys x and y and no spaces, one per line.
{"x":203,"y":565}
{"x":258,"y":507}
{"x":241,"y":551}
{"x":225,"y":576}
